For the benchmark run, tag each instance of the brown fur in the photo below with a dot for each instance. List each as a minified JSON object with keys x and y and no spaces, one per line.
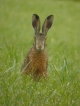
{"x":37,"y":63}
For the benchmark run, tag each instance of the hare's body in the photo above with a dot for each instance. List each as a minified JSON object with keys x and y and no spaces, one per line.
{"x":36,"y":61}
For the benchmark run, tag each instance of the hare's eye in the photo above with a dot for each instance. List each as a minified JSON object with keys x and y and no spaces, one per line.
{"x":45,"y":38}
{"x":35,"y":38}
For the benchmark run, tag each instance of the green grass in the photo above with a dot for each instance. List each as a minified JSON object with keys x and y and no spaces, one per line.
{"x":62,"y":87}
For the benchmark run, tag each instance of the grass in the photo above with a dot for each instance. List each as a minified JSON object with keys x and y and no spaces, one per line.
{"x":62,"y":87}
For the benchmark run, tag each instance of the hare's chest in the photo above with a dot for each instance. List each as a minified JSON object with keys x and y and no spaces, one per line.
{"x":38,"y":60}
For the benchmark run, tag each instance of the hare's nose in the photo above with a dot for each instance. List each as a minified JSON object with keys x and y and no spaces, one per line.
{"x":39,"y":46}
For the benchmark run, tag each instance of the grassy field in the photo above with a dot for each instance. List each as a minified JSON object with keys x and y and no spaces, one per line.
{"x":62,"y":87}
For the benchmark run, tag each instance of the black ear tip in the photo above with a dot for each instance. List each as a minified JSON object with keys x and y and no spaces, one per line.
{"x":50,"y":16}
{"x":37,"y":17}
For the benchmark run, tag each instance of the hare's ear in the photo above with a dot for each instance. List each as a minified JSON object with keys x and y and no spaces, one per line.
{"x":36,"y":23}
{"x":47,"y":24}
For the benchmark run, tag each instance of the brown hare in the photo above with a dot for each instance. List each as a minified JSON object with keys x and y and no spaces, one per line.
{"x":36,"y":61}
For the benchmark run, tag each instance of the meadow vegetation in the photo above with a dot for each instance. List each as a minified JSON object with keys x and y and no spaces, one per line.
{"x":62,"y":87}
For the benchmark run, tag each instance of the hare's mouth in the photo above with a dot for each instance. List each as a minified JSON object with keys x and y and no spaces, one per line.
{"x":39,"y":48}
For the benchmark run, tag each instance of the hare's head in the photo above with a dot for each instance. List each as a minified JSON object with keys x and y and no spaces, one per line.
{"x":40,"y":38}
